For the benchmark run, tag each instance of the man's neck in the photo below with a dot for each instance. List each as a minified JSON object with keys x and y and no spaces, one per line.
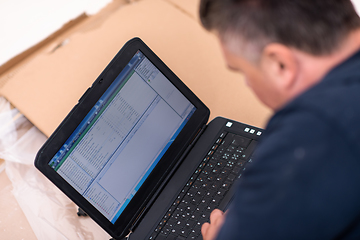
{"x":315,"y":68}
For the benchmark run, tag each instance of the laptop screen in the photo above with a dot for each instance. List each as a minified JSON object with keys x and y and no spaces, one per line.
{"x":117,"y":145}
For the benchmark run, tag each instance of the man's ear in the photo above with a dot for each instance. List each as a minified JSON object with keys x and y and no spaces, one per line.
{"x":280,"y":65}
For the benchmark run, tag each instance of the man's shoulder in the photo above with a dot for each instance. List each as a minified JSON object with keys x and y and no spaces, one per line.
{"x":333,"y":102}
{"x":336,"y":94}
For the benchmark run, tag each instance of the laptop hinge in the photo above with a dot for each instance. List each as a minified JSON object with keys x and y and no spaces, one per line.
{"x":164,"y":182}
{"x":197,"y":135}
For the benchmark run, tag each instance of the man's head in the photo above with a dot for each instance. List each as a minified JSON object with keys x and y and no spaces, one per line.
{"x":268,"y":39}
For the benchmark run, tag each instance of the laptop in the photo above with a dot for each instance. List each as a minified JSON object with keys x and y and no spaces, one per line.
{"x":137,"y":155}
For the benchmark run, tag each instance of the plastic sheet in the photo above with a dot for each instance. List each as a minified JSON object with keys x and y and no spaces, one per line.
{"x":50,"y":213}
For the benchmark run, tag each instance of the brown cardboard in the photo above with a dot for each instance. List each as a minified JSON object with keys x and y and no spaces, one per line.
{"x":190,"y":7}
{"x":48,"y":86}
{"x":55,"y":40}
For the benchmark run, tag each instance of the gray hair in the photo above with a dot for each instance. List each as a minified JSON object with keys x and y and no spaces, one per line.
{"x":313,"y":26}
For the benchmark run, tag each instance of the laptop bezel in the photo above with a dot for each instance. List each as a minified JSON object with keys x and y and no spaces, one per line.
{"x":141,"y":200}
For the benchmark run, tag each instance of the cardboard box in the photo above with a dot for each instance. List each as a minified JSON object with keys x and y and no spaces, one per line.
{"x":189,"y":7}
{"x":49,"y":83}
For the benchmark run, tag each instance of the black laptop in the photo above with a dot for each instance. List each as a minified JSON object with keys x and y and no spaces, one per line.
{"x":136,"y":153}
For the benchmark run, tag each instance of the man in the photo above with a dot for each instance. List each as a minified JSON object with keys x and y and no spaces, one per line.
{"x":302,"y":59}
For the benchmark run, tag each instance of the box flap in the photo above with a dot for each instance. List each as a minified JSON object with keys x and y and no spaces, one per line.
{"x":190,"y":7}
{"x":48,"y":86}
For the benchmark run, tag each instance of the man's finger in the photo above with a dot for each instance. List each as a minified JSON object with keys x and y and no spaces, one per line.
{"x":204,"y":228}
{"x":210,"y":230}
{"x":216,"y":215}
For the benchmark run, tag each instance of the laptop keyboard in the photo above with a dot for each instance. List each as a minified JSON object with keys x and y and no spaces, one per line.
{"x":205,"y":190}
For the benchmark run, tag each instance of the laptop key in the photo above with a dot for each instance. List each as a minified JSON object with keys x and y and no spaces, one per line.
{"x":192,"y":237}
{"x":223,"y":134}
{"x":171,"y":237}
{"x":226,"y":185}
{"x":158,"y":229}
{"x":231,"y":177}
{"x":237,"y":170}
{"x":211,"y":207}
{"x":180,"y":224}
{"x":228,"y":139}
{"x":185,"y":231}
{"x":221,"y":192}
{"x":193,"y":234}
{"x":161,"y":237}
{"x":190,"y":224}
{"x":241,"y":141}
{"x":153,"y":236}
{"x":205,"y":216}
{"x":175,"y":230}
{"x":165,"y":232}
{"x":180,"y":238}
{"x":216,"y":200}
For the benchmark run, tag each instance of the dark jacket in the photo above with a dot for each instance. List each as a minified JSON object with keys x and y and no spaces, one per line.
{"x":304,"y":182}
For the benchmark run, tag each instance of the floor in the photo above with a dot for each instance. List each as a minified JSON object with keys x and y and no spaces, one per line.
{"x":13,"y":223}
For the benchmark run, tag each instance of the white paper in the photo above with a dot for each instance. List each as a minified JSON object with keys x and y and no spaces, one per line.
{"x":24,"y":23}
{"x":50,"y":213}
{"x":357,"y":5}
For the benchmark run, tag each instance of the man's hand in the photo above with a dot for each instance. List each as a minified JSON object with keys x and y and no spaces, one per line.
{"x":210,"y":230}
